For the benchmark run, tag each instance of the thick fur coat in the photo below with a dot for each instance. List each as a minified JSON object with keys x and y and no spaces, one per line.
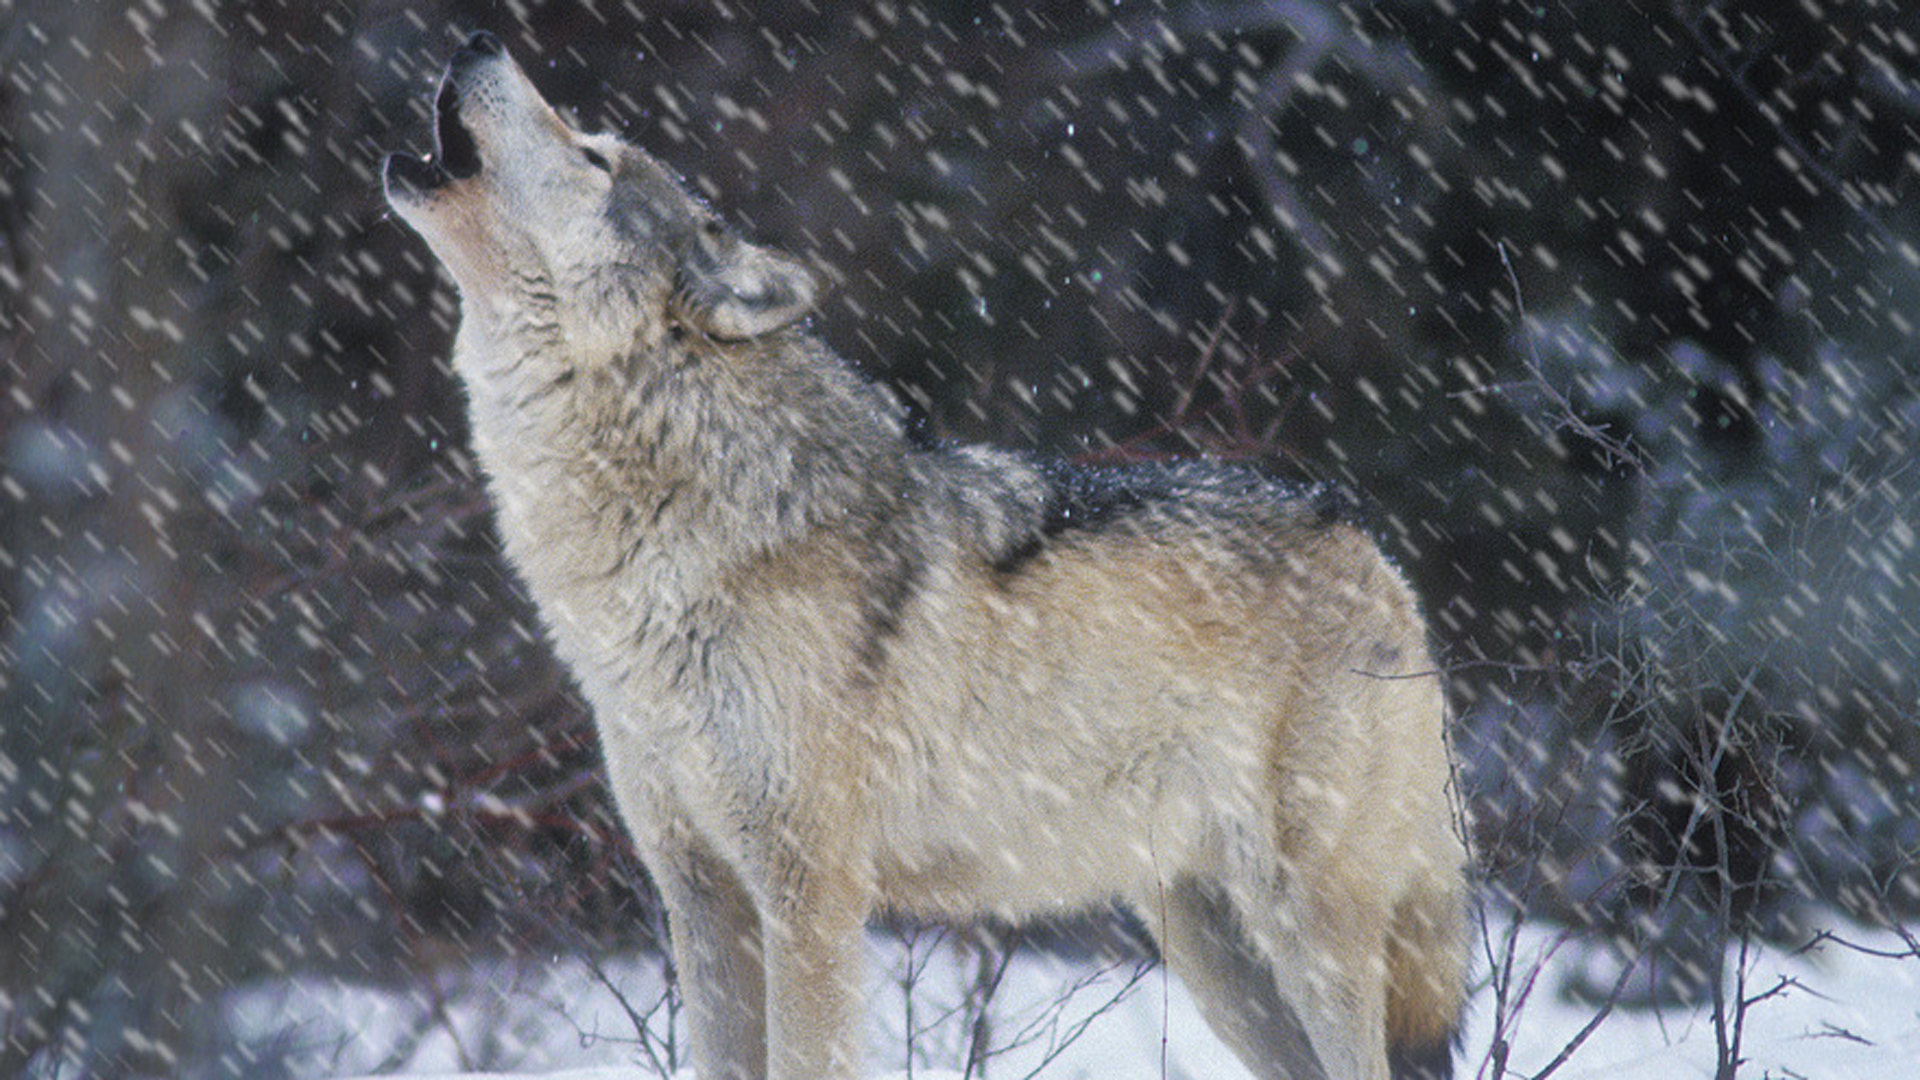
{"x":836,"y":672}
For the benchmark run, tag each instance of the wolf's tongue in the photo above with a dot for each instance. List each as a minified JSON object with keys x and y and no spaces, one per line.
{"x":459,"y":156}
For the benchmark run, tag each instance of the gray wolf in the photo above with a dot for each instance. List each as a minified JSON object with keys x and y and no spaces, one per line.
{"x":835,"y":672}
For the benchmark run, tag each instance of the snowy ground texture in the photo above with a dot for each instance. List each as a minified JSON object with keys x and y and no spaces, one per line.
{"x":1839,"y":1013}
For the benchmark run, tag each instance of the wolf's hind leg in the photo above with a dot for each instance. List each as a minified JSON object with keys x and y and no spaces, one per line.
{"x":717,"y":948}
{"x":1328,"y":950}
{"x":1204,"y":942}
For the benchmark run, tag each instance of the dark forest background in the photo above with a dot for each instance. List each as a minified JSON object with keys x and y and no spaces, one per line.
{"x":1606,"y":308}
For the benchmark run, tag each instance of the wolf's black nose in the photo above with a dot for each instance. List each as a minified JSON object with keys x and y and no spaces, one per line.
{"x":485,"y":44}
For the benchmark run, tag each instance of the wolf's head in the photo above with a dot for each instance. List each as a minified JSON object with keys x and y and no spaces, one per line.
{"x":544,"y":226}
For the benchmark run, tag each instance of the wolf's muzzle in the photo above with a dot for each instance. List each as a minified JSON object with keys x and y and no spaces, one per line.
{"x":456,"y":156}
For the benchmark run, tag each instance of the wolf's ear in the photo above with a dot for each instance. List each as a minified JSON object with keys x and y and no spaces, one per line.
{"x":732,"y":289}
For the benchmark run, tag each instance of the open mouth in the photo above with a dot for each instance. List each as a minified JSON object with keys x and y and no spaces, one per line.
{"x":455,"y":154}
{"x":459,"y":156}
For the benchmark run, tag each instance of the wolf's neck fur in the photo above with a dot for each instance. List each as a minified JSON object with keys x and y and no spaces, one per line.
{"x":705,"y":456}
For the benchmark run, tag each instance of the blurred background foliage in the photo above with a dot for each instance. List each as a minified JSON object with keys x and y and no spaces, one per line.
{"x":1606,"y":308}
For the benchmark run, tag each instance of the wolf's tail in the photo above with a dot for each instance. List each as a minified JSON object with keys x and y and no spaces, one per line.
{"x":1426,"y":978}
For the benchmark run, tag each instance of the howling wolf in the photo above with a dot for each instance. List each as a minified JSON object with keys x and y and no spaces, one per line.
{"x":834,"y":671}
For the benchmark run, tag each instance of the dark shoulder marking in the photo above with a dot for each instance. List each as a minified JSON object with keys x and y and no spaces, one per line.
{"x":894,"y":586}
{"x":1077,"y":499}
{"x":1083,"y":499}
{"x":1332,"y":504}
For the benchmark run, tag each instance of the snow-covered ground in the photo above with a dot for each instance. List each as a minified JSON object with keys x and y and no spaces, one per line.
{"x":1841,"y":1014}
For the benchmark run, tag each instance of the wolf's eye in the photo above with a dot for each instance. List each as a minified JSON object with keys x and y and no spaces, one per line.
{"x":596,"y":159}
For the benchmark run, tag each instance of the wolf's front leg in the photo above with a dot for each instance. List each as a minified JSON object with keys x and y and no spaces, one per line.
{"x":717,"y":949}
{"x":814,"y":939}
